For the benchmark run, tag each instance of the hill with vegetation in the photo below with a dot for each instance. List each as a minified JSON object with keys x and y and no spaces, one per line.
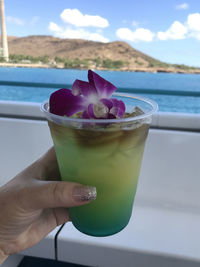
{"x":48,"y":51}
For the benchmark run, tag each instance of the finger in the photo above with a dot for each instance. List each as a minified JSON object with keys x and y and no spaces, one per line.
{"x":56,"y":194}
{"x":49,"y":164}
{"x":49,"y":156}
{"x":61,"y":215}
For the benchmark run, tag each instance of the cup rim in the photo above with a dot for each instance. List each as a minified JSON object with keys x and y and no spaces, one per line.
{"x":151,"y":102}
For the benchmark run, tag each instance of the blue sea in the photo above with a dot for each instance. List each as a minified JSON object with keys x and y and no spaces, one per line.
{"x":129,"y":80}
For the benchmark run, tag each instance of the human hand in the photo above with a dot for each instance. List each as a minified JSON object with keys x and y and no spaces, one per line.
{"x":33,"y":203}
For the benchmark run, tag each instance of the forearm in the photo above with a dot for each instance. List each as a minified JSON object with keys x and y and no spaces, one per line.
{"x":3,"y":257}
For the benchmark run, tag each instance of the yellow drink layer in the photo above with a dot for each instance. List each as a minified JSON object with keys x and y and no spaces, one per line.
{"x":108,"y":159}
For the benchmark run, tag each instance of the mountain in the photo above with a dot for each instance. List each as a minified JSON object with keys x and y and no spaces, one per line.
{"x":114,"y":55}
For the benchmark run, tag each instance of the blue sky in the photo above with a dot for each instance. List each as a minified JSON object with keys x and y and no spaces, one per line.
{"x":167,"y":30}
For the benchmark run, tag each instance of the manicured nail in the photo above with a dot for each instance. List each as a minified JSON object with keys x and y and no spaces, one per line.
{"x":84,"y":193}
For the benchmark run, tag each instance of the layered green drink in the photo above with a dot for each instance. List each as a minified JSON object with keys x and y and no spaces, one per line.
{"x":110,"y":161}
{"x":105,"y":153}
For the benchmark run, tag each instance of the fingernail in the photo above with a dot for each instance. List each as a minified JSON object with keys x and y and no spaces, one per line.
{"x":84,"y":193}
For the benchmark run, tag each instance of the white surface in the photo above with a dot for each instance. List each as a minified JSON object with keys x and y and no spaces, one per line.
{"x":178,"y":120}
{"x":166,"y":214}
{"x":151,"y":231}
{"x":21,"y":143}
{"x":170,"y":173}
{"x":20,"y":108}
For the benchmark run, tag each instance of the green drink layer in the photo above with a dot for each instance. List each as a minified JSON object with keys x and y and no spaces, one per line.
{"x":110,"y":160}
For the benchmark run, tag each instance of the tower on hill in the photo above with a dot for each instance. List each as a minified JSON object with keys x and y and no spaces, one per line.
{"x":4,"y":41}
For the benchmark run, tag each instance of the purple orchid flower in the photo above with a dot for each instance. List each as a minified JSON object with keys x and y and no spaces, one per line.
{"x":92,"y":98}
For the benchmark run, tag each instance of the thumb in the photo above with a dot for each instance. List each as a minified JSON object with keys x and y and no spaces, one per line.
{"x":45,"y":194}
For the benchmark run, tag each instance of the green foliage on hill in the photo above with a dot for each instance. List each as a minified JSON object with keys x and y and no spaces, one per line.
{"x":112,"y":64}
{"x":160,"y":64}
{"x":99,"y":63}
{"x":184,"y":67}
{"x":157,"y":63}
{"x":69,"y":63}
{"x":28,"y":59}
{"x":76,"y":63}
{"x":86,"y":63}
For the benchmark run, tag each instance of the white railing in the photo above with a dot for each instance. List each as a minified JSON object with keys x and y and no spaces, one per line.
{"x":167,"y":120}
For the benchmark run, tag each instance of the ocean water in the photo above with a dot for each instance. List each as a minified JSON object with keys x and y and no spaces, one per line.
{"x":128,"y":80}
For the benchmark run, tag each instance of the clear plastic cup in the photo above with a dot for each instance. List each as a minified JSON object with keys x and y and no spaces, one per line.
{"x":107,"y":154}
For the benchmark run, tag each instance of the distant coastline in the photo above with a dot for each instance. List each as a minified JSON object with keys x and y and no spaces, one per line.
{"x":39,"y":51}
{"x":138,"y":69}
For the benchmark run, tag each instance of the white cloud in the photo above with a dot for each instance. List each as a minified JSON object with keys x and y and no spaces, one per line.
{"x":20,"y":22}
{"x":97,"y":37}
{"x":195,"y":35}
{"x":182,"y":6}
{"x":176,"y":31}
{"x":193,"y":22}
{"x":77,"y":33}
{"x":124,"y":34}
{"x":53,"y":27}
{"x":139,"y":34}
{"x":14,"y":20}
{"x":77,"y":21}
{"x":76,"y":18}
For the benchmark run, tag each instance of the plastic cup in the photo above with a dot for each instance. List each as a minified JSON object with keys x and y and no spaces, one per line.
{"x":106,"y":154}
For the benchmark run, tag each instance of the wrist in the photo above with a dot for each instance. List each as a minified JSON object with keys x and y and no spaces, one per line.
{"x":3,"y":256}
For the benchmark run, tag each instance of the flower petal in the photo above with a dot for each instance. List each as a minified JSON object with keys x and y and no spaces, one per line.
{"x":63,"y":102}
{"x":85,"y":115}
{"x":91,"y":98}
{"x":114,"y":111}
{"x":107,"y":102}
{"x":111,"y":116}
{"x":118,"y":108}
{"x":83,"y":88}
{"x":90,"y":111}
{"x":103,"y":87}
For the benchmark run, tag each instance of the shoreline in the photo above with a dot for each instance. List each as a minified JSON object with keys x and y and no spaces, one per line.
{"x":142,"y":69}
